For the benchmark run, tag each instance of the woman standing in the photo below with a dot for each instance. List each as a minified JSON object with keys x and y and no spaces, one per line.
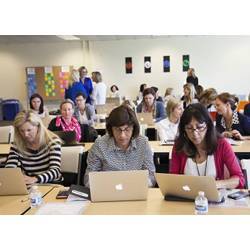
{"x":100,"y":89}
{"x":191,"y":77}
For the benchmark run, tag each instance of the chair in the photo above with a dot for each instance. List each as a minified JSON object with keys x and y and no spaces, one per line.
{"x":71,"y":163}
{"x":6,"y":134}
{"x":245,"y":164}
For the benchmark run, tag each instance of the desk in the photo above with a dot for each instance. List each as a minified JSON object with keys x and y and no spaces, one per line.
{"x":18,"y":204}
{"x":154,"y":205}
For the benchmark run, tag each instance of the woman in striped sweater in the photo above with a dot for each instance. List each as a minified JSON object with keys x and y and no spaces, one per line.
{"x":36,"y":150}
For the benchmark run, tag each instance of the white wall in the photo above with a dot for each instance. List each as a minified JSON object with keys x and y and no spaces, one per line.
{"x":220,"y":62}
{"x":14,"y":58}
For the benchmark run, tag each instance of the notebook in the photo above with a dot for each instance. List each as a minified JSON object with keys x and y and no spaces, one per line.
{"x":145,"y":118}
{"x":185,"y":186}
{"x":118,"y":185}
{"x":12,"y":182}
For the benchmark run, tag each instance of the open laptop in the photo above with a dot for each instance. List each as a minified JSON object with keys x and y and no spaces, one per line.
{"x":145,"y":118}
{"x":118,"y":185}
{"x":12,"y":182}
{"x":68,"y":137}
{"x":186,"y":186}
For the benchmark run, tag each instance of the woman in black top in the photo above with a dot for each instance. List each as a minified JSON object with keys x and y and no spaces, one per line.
{"x":192,"y":78}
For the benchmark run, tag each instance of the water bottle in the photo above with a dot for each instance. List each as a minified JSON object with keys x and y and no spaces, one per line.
{"x":35,"y":197}
{"x":201,"y":203}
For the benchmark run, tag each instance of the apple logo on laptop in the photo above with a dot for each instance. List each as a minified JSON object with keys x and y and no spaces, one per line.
{"x":186,"y":188}
{"x":119,"y":187}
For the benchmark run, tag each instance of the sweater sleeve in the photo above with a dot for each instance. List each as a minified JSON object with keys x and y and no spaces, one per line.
{"x":229,"y":159}
{"x":54,"y":171}
{"x":175,"y":162}
{"x":13,"y":158}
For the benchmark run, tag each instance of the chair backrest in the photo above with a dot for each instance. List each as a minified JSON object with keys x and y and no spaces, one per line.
{"x":6,"y":134}
{"x":71,"y":160}
{"x":245,"y":164}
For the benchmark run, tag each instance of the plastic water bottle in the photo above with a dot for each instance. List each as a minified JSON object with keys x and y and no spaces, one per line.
{"x":201,"y":203}
{"x":35,"y":197}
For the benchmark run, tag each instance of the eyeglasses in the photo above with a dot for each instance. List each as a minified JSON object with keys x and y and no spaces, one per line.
{"x":198,"y":129}
{"x":126,"y":130}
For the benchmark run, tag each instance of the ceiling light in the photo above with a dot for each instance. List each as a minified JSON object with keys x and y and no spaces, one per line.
{"x":69,"y":38}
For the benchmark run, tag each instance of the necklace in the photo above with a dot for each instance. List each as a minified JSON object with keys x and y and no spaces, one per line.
{"x":197,"y":168}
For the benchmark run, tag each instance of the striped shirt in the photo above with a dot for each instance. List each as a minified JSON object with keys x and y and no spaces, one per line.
{"x":44,"y":164}
{"x":106,"y":156}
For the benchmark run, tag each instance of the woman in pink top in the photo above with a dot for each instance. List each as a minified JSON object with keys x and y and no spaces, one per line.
{"x":200,"y":150}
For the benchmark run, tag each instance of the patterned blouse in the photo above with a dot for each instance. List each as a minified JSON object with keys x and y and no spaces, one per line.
{"x":106,"y":156}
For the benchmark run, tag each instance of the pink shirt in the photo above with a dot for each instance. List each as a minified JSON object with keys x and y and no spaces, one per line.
{"x":223,"y":156}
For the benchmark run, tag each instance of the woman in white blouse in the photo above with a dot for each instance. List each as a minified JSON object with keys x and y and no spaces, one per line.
{"x":100,"y":89}
{"x":167,"y":128}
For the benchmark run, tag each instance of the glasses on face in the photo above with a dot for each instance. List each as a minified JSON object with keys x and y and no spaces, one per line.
{"x":199,"y":128}
{"x":126,"y":130}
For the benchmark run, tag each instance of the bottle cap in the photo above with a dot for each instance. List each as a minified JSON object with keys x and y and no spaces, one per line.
{"x":35,"y":187}
{"x":201,"y":193}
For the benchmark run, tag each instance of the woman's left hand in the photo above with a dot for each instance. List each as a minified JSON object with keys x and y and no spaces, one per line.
{"x":237,"y":135}
{"x":29,"y":180}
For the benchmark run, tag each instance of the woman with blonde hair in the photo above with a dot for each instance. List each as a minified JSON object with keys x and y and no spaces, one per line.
{"x":189,"y":95}
{"x":36,"y":150}
{"x":75,"y":86}
{"x":191,"y":77}
{"x":167,"y":128}
{"x":66,"y":121}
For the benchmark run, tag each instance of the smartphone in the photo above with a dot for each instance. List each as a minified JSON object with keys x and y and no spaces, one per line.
{"x":238,"y":195}
{"x":62,"y":194}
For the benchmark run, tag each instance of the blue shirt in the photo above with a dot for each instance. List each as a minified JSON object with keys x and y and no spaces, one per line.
{"x":71,"y":92}
{"x":87,"y":84}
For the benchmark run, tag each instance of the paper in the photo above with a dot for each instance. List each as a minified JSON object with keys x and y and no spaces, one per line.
{"x":31,"y":71}
{"x":72,"y":197}
{"x":65,"y":69}
{"x":234,"y":142}
{"x":62,"y":208}
{"x":47,"y":70}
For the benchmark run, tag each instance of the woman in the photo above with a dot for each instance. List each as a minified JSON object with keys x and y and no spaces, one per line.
{"x":36,"y":150}
{"x":150,"y":105}
{"x":37,"y":106}
{"x":114,"y":92}
{"x":75,"y":87}
{"x":199,"y":150}
{"x":167,"y":128}
{"x":229,"y":122}
{"x":189,"y":95}
{"x":84,"y":112}
{"x":100,"y":89}
{"x":207,"y":98}
{"x":122,"y":148}
{"x":168,"y":95}
{"x":86,"y":82}
{"x":66,"y":121}
{"x":140,"y":95}
{"x":192,"y":78}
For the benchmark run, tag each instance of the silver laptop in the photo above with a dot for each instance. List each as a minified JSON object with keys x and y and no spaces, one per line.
{"x":12,"y":182}
{"x":186,"y":186}
{"x":145,"y":118}
{"x":118,"y":185}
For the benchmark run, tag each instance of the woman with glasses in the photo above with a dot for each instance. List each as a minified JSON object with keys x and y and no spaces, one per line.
{"x":199,"y":150}
{"x":122,"y":148}
{"x":229,"y":122}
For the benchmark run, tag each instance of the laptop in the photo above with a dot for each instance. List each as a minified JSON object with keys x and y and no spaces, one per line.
{"x":118,"y":185}
{"x":145,"y":118}
{"x":186,"y":186}
{"x":12,"y":182}
{"x":68,"y":137}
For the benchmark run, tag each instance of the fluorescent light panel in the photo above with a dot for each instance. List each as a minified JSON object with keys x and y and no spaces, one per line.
{"x":68,"y":37}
